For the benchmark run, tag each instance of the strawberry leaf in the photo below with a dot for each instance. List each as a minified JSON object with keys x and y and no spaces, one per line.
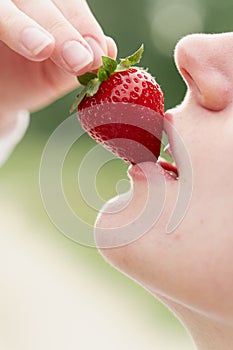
{"x":93,"y":87}
{"x":78,"y":99}
{"x":86,"y":78}
{"x":102,"y":74}
{"x":89,"y":90}
{"x":109,"y":64}
{"x":131,"y":60}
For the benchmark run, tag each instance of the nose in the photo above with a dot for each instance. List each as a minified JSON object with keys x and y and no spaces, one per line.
{"x":205,"y":62}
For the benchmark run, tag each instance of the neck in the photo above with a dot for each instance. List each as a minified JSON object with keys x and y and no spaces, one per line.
{"x":208,"y":332}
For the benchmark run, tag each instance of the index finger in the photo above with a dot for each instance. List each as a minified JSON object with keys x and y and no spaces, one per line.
{"x":78,"y":13}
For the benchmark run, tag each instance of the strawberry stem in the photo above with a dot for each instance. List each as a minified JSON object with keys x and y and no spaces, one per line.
{"x":91,"y":82}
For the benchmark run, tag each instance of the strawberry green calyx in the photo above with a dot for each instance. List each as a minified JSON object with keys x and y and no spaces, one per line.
{"x":126,"y":63}
{"x":90,"y":82}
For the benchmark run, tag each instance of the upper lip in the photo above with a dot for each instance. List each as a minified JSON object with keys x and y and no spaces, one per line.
{"x":168,"y":126}
{"x":169,"y":130}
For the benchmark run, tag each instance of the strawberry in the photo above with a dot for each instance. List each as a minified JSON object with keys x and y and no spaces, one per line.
{"x":122,"y":108}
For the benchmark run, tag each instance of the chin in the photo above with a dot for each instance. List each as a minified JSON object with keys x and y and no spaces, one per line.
{"x":128,"y":217}
{"x":117,"y":222}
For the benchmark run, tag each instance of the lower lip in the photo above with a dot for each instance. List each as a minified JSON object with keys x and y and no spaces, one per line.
{"x":141,"y":172}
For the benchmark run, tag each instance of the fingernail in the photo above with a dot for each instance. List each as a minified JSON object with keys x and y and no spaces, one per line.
{"x":35,"y":40}
{"x":76,"y":55}
{"x":97,"y":51}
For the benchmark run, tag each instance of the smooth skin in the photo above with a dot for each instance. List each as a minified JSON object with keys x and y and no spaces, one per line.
{"x":191,"y":269}
{"x":43,"y":46}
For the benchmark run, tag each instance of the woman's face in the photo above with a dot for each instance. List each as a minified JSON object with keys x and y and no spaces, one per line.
{"x":193,"y":264}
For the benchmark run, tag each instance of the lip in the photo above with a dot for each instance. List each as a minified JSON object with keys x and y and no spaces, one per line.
{"x":147,"y":170}
{"x":168,"y":126}
{"x":141,"y":171}
{"x":170,"y":168}
{"x":169,"y":129}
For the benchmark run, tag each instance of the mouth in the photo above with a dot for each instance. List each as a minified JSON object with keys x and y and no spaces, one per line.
{"x":167,"y":164}
{"x":169,"y":167}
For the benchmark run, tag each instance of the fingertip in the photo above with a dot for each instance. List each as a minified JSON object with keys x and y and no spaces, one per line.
{"x":45,"y":53}
{"x":111,"y":47}
{"x":76,"y":58}
{"x":97,"y":51}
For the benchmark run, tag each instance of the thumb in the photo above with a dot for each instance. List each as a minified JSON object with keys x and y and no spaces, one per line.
{"x":23,"y":35}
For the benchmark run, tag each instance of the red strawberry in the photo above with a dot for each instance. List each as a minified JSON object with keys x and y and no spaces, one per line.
{"x":122,"y":108}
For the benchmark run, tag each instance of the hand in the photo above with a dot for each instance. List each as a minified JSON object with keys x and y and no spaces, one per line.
{"x":43,"y":46}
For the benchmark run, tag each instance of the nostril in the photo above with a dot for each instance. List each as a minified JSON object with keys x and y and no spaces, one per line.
{"x":210,"y":88}
{"x":190,"y":82}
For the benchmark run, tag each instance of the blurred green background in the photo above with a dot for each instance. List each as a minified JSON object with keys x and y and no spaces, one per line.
{"x":62,"y":291}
